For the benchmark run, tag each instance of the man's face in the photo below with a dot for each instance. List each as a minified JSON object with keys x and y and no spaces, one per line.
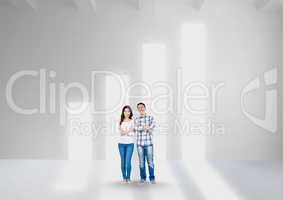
{"x":141,"y":109}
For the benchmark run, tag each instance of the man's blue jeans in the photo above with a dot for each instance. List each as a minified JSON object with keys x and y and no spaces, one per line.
{"x":146,"y":153}
{"x":126,"y":152}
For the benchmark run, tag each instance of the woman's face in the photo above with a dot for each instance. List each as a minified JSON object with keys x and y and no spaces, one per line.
{"x":127,"y":113}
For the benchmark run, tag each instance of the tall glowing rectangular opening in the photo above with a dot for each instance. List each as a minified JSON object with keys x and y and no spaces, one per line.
{"x":193,"y":64}
{"x":80,"y":133}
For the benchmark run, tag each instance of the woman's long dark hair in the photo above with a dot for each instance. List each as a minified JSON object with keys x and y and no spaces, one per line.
{"x":122,"y":114}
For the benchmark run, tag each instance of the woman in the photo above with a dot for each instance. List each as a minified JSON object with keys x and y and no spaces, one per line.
{"x":126,"y":142}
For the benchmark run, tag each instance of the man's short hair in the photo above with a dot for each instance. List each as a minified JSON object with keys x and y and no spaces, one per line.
{"x":141,"y":103}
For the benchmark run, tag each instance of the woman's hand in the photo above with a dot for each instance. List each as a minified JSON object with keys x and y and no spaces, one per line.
{"x":130,"y":131}
{"x":122,"y":132}
{"x":126,"y":132}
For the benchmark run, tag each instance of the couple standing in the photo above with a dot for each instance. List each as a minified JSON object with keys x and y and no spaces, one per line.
{"x":136,"y":130}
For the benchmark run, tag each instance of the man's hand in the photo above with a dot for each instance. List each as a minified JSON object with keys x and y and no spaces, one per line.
{"x":146,"y":127}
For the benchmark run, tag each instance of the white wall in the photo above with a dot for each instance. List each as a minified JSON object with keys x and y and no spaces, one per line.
{"x":242,"y":43}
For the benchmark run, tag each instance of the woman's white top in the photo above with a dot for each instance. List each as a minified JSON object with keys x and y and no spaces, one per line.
{"x":130,"y":137}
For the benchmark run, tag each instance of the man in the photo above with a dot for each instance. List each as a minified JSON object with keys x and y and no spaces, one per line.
{"x":144,"y":125}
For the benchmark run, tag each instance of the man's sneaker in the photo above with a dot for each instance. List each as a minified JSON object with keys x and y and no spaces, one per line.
{"x":142,"y":181}
{"x":152,"y":182}
{"x":124,"y":181}
{"x":128,"y":181}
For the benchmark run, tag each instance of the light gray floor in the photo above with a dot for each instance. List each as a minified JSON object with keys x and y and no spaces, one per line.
{"x":34,"y":179}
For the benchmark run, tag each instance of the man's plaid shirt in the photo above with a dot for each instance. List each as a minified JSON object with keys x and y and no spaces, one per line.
{"x":144,"y":137}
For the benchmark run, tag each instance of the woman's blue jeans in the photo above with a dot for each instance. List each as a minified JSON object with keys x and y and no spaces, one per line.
{"x":126,"y":152}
